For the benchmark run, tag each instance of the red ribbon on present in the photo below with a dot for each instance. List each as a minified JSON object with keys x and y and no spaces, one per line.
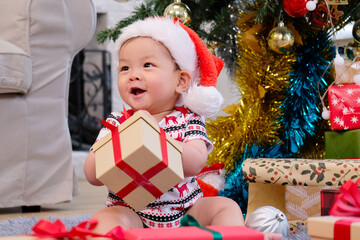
{"x":347,"y":202}
{"x":138,"y":179}
{"x":47,"y":229}
{"x":342,"y":228}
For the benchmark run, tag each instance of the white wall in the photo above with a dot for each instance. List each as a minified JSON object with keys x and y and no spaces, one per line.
{"x":109,"y":13}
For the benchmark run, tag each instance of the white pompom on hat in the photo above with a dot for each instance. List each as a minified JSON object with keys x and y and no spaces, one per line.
{"x":190,"y":53}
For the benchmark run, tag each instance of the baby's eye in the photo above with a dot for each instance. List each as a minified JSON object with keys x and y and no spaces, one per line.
{"x":148,"y":65}
{"x":124,"y":68}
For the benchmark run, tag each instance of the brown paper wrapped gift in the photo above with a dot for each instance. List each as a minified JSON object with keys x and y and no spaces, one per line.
{"x":325,"y":227}
{"x":130,"y":173}
{"x":293,"y":185}
{"x":345,"y":73}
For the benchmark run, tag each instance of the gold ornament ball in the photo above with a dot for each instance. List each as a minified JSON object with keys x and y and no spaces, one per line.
{"x":180,"y":11}
{"x":352,"y":50}
{"x":280,"y":40}
{"x":356,"y":31}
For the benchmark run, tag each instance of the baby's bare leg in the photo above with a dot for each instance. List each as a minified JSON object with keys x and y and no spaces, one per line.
{"x":219,"y":211}
{"x":114,"y":216}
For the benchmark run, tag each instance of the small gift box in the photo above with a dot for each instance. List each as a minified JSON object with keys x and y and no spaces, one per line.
{"x":344,"y":224}
{"x":344,"y":104}
{"x":328,"y":197}
{"x":137,"y":161}
{"x":342,"y":144}
{"x":336,"y":228}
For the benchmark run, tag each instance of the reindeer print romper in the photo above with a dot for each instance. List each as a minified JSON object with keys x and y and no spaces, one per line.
{"x":167,"y":210}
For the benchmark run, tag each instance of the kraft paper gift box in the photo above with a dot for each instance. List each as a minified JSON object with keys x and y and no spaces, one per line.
{"x":345,"y":73}
{"x":342,"y":144}
{"x":336,"y":228}
{"x":293,"y":185}
{"x":344,"y":104}
{"x":139,"y":174}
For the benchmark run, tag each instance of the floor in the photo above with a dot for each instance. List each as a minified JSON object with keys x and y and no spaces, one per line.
{"x":89,"y":200}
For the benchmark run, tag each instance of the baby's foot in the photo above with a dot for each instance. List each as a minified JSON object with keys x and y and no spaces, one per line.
{"x":272,"y":236}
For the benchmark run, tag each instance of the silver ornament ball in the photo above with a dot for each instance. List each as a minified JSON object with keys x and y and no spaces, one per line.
{"x":268,"y":219}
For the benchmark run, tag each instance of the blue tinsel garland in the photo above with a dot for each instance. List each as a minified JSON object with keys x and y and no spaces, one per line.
{"x":300,"y":113}
{"x":301,"y":106}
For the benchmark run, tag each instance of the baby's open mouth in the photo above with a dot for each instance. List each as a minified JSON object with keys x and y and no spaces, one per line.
{"x":137,"y":91}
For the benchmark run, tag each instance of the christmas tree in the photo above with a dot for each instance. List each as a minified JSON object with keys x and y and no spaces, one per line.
{"x":280,"y":55}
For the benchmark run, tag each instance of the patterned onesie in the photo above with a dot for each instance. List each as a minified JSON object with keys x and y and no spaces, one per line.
{"x":167,"y":210}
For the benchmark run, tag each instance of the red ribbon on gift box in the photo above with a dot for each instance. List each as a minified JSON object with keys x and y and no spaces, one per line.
{"x":47,"y":229}
{"x":138,"y":179}
{"x":347,"y":204}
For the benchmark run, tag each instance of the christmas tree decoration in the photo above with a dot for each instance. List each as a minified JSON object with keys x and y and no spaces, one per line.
{"x":311,"y":5}
{"x":295,"y":8}
{"x":268,"y":219}
{"x":278,"y":113}
{"x":352,"y":51}
{"x":339,"y":60}
{"x":253,"y":119}
{"x":300,"y":107}
{"x":356,"y":31}
{"x":281,"y":39}
{"x":178,"y":10}
{"x":325,"y":114}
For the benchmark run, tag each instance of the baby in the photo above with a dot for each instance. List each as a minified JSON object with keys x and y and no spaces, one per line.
{"x":165,"y":69}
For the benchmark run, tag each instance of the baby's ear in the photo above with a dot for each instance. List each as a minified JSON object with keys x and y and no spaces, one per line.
{"x":184,"y":81}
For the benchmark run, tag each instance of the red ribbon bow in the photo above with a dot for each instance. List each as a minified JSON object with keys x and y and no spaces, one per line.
{"x":348,"y":201}
{"x":47,"y":229}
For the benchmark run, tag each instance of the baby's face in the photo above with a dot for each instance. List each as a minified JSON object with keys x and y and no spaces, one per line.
{"x":148,"y":75}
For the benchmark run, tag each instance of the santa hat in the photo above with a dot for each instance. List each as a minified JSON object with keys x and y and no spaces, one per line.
{"x":190,"y":53}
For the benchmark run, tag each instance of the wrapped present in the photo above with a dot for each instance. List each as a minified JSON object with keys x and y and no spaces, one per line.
{"x":190,"y":229}
{"x":293,"y":185}
{"x":328,"y":197}
{"x":336,"y":228}
{"x":342,"y":144}
{"x":302,"y":202}
{"x":345,"y":73}
{"x":193,"y":230}
{"x":344,"y":104}
{"x":137,"y":161}
{"x":344,"y":224}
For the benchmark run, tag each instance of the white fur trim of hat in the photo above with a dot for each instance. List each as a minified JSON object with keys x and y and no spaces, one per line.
{"x":190,"y":53}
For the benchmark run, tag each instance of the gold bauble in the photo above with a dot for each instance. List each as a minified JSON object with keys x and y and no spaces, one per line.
{"x":280,"y":39}
{"x":178,"y":10}
{"x":356,"y":31}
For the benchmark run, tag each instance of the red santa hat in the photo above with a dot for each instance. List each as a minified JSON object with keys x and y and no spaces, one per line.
{"x":190,"y":53}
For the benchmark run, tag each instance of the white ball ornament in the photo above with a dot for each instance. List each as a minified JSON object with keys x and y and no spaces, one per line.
{"x":311,"y":5}
{"x":325,"y":114}
{"x":339,"y":60}
{"x":357,"y":79}
{"x":268,"y":219}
